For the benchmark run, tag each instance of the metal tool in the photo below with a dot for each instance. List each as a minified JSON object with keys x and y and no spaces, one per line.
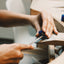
{"x":41,"y":35}
{"x":37,"y":40}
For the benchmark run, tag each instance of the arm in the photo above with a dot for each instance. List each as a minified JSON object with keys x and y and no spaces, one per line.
{"x":43,"y":21}
{"x":46,"y":22}
{"x":9,"y":19}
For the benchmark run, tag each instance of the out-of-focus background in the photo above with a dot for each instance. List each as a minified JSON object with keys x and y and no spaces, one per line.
{"x":6,"y":34}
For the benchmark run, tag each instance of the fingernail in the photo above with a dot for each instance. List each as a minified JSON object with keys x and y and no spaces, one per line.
{"x":44,"y":30}
{"x":57,"y":32}
{"x":37,"y":34}
{"x":47,"y":33}
{"x":28,"y":45}
{"x":32,"y":47}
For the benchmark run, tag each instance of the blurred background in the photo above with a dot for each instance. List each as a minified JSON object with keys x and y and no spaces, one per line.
{"x":6,"y":34}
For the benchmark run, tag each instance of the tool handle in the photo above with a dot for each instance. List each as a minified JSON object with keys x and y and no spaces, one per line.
{"x":41,"y":33}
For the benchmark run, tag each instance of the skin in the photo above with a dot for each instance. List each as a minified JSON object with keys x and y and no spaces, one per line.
{"x":11,"y":53}
{"x":45,"y":23}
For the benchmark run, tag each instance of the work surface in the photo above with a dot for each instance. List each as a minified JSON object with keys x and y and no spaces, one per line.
{"x":54,"y":40}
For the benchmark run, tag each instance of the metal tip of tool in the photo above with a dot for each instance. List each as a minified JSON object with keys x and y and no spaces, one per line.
{"x":36,"y":40}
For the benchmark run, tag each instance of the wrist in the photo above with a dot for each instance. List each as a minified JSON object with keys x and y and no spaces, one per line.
{"x":33,"y":18}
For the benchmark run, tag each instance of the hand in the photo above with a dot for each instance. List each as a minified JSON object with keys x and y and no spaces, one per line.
{"x":44,"y":22}
{"x":11,"y":53}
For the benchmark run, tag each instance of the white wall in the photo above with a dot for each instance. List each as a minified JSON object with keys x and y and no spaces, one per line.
{"x":22,"y":34}
{"x":5,"y":32}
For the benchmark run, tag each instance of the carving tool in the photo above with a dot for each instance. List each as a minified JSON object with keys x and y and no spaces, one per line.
{"x":41,"y":37}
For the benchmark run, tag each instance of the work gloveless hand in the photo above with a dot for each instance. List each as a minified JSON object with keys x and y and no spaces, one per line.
{"x":11,"y":53}
{"x":44,"y":21}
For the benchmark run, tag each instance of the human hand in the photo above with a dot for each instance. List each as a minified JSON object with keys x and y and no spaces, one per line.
{"x":11,"y":53}
{"x":44,"y":22}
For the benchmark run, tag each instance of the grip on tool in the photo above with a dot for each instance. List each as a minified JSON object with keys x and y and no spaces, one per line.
{"x":41,"y":33}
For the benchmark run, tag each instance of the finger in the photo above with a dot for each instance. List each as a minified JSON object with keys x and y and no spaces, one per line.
{"x":19,"y":55}
{"x":16,"y":55}
{"x":48,"y":29}
{"x":24,"y":46}
{"x":44,"y":26}
{"x":12,"y":61}
{"x":55,"y":30}
{"x":37,"y":26}
{"x":50,"y":26}
{"x":51,"y":30}
{"x":44,"y":22}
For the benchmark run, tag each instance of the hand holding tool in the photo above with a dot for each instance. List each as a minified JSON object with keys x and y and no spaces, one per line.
{"x":41,"y":37}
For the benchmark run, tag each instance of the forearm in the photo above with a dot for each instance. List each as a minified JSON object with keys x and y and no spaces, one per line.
{"x":9,"y":19}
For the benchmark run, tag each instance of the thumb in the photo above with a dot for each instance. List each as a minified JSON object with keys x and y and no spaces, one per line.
{"x":37,"y":26}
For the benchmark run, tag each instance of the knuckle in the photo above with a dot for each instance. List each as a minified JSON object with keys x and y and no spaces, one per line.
{"x":18,"y":46}
{"x":15,"y":45}
{"x":46,"y":34}
{"x":19,"y":55}
{"x":51,"y":23}
{"x":52,"y":26}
